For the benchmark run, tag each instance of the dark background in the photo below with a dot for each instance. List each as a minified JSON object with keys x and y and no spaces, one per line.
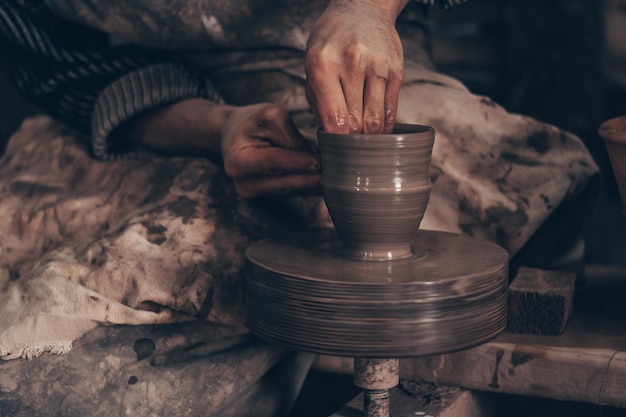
{"x":560,"y":61}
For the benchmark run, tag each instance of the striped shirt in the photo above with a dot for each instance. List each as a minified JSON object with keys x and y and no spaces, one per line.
{"x":95,"y":87}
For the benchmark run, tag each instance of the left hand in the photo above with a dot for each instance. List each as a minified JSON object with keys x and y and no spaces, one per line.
{"x":354,"y":65}
{"x":264,"y":154}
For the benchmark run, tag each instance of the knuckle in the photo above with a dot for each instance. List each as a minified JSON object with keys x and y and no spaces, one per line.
{"x":318,"y":62}
{"x":355,"y":54}
{"x":396,"y":73}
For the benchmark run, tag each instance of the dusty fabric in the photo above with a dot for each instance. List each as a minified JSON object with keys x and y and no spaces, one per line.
{"x":184,"y":370}
{"x":122,"y":242}
{"x":88,"y":243}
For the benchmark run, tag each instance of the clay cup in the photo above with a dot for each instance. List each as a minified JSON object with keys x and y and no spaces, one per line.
{"x":376,"y":188}
{"x":613,"y":132}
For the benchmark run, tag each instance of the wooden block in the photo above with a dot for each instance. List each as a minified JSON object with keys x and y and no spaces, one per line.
{"x":540,"y":302}
{"x":411,"y":399}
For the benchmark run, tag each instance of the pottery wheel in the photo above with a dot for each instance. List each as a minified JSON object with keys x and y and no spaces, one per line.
{"x":451,"y":295}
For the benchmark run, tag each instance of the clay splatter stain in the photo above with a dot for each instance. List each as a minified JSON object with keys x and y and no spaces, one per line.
{"x":154,"y":228}
{"x":144,"y":348}
{"x":29,"y":189}
{"x":517,"y":218}
{"x":539,"y":142}
{"x":519,"y":159}
{"x":155,"y":232}
{"x":520,"y":358}
{"x":183,"y":207}
{"x":494,"y":378}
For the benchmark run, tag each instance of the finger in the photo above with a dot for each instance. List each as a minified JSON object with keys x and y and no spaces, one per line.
{"x":275,"y":125}
{"x":310,"y":98}
{"x":392,"y":93}
{"x":279,"y":186}
{"x":270,"y":161}
{"x":329,"y":101}
{"x":352,"y":88}
{"x":374,"y":104}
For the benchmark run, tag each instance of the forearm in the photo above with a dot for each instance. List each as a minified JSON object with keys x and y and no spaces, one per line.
{"x":189,"y":127}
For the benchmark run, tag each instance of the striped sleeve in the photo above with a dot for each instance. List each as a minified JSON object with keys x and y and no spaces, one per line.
{"x":95,"y":87}
{"x":136,"y":92}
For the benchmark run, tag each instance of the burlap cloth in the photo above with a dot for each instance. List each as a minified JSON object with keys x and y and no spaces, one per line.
{"x":119,"y":242}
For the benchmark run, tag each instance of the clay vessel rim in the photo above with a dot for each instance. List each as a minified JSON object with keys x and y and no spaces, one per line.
{"x":400,"y":130}
{"x":614,"y":130}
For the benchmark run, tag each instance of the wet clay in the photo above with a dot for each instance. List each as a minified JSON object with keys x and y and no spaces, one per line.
{"x":376,"y":188}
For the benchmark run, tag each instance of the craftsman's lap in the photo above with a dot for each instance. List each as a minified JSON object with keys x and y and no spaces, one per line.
{"x":152,"y":250}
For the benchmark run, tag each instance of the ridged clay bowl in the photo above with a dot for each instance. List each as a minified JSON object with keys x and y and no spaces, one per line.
{"x":376,"y":188}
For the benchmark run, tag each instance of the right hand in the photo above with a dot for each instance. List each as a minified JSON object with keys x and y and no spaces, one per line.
{"x":264,"y":153}
{"x":355,"y":66}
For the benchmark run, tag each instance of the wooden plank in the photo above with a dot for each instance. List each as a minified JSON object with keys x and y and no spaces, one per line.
{"x":584,"y":365}
{"x":587,"y":363}
{"x":561,"y":369}
{"x":412,"y":399}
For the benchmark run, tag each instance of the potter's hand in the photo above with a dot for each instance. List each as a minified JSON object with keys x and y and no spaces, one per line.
{"x":264,"y":153}
{"x":261,"y":149}
{"x":354,"y":66}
